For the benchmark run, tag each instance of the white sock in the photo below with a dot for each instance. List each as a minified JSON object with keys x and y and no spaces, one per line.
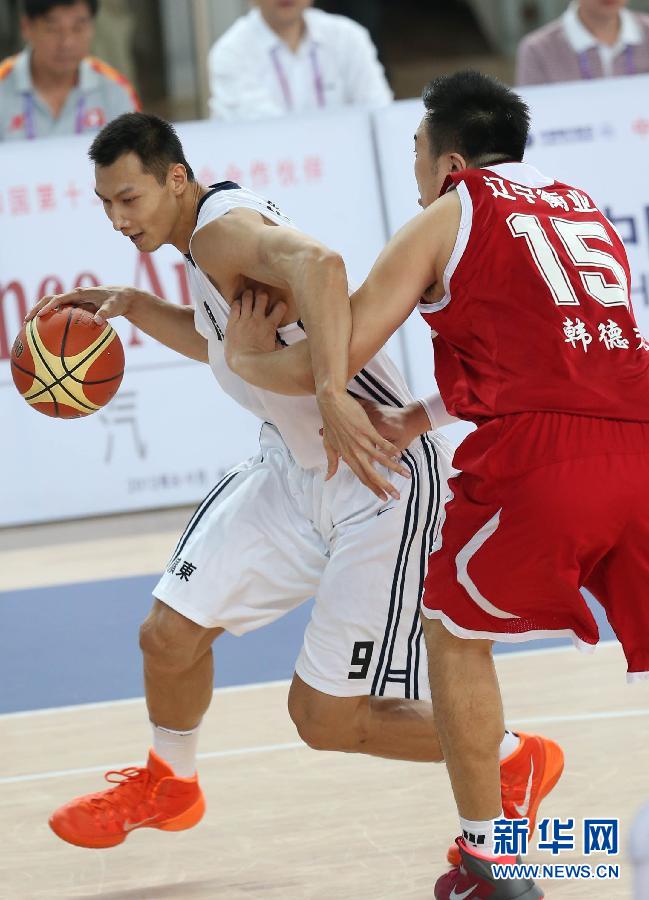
{"x":509,"y":744}
{"x":177,"y":748}
{"x":479,"y":835}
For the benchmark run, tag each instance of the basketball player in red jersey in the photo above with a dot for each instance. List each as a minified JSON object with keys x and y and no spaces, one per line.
{"x":525,"y":285}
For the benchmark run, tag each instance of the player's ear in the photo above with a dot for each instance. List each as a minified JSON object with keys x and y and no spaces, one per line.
{"x":178,"y":178}
{"x":457,"y":162}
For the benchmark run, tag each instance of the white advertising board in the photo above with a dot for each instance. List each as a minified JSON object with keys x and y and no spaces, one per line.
{"x":593,"y":134}
{"x":170,"y":431}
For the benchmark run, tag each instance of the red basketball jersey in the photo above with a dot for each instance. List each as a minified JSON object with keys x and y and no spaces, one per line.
{"x":537,"y":313}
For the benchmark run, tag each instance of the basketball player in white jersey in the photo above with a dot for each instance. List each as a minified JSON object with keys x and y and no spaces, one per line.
{"x":274,"y":532}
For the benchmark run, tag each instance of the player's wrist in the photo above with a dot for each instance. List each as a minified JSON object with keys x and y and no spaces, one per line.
{"x":418,"y":421}
{"x":329,"y":392}
{"x":136,"y":302}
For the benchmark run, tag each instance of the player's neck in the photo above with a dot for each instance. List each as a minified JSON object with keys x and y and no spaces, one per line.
{"x":605,"y":28}
{"x":291,"y":34}
{"x":186,"y":223}
{"x":49,"y":83}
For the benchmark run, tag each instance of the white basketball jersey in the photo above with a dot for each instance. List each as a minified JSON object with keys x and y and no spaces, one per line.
{"x":296,"y":418}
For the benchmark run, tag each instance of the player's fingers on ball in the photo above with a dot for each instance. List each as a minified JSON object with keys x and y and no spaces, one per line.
{"x":105,"y":311}
{"x":52,"y":303}
{"x":37,"y":307}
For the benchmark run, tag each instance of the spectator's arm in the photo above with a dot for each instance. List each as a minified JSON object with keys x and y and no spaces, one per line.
{"x":530,"y":65}
{"x":235,"y":92}
{"x":366,"y":84}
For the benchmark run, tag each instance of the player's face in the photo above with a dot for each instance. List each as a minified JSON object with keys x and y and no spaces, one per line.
{"x":427,"y":168}
{"x":601,"y":9}
{"x":138,"y":206}
{"x":61,"y":38}
{"x":280,"y":13}
{"x":431,"y":171}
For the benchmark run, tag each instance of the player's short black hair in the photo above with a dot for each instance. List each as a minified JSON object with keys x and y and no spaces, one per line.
{"x":477,"y":116}
{"x":152,"y":139}
{"x":35,"y":8}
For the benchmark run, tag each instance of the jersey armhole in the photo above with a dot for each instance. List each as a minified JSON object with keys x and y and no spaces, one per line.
{"x":461,"y":241}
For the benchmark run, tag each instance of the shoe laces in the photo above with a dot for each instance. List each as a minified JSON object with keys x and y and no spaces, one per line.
{"x":130,"y":784}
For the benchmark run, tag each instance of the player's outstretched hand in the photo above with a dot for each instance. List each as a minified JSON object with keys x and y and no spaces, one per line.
{"x":104,"y":302}
{"x":349,"y":434}
{"x":251,"y":328}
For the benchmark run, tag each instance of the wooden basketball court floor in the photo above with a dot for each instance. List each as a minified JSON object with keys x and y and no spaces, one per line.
{"x":285,"y":822}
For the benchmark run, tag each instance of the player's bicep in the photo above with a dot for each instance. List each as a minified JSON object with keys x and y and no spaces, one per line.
{"x":406,"y":268}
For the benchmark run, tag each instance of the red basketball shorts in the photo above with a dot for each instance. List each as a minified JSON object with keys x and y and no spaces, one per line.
{"x":547,"y":503}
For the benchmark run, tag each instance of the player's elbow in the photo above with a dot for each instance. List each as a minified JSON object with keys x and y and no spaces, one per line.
{"x":329,"y":265}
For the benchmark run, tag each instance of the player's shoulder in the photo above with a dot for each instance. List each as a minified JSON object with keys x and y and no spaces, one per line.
{"x":230,"y":197}
{"x":224,"y":197}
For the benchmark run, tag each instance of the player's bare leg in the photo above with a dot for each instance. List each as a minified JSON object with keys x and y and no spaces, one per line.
{"x":379,"y":726}
{"x":165,"y":794}
{"x":178,"y":668}
{"x":469,"y":718}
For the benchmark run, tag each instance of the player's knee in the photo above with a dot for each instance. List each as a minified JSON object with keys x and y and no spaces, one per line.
{"x":169,"y":641}
{"x":441,"y":641}
{"x":337,"y":724}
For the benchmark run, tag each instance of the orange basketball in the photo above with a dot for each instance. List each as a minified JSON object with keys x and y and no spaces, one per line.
{"x":64,"y":364}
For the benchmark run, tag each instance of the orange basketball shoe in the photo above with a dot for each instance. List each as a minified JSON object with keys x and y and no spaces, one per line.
{"x":526,"y":777}
{"x":143,"y":798}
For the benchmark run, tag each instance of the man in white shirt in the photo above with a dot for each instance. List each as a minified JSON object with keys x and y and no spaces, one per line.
{"x":592,"y":39}
{"x":284,"y":58}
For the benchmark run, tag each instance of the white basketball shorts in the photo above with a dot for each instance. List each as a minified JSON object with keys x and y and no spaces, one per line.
{"x":271,"y":534}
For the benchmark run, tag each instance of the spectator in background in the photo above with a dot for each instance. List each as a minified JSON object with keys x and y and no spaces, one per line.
{"x":284,"y":57}
{"x":592,"y":39}
{"x":53,"y":87}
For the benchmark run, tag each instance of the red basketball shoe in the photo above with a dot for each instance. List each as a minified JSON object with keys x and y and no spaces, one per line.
{"x":152,"y":797}
{"x":474,"y":878}
{"x":526,"y":777}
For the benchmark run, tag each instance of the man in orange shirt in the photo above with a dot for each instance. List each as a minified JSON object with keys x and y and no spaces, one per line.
{"x":54,"y":87}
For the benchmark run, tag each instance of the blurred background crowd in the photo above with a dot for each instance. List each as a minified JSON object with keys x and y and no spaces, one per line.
{"x":70,"y":65}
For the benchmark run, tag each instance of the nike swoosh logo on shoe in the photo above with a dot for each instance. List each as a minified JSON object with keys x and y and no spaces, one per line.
{"x":129,"y":826}
{"x":524,"y":809}
{"x":455,"y":896}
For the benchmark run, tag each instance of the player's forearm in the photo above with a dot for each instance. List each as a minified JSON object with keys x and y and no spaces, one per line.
{"x":286,"y":371}
{"x":168,"y":323}
{"x":321,"y":292}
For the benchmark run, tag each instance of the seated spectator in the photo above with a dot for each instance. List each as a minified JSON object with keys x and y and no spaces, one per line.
{"x":592,"y":39}
{"x":53,"y":87}
{"x":283,"y":58}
